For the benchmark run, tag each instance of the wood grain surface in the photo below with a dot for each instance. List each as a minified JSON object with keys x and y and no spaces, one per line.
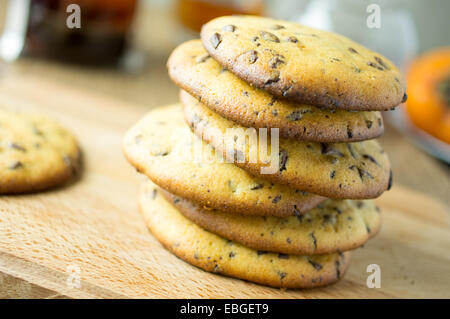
{"x":93,"y":225}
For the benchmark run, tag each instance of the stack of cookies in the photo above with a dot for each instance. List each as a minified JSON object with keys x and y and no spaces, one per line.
{"x":296,"y":110}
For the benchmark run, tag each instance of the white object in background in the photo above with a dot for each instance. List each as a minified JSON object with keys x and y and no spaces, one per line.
{"x":396,"y":38}
{"x":13,"y":38}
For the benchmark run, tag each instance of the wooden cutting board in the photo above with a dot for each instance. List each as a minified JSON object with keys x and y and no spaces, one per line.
{"x":92,"y":227}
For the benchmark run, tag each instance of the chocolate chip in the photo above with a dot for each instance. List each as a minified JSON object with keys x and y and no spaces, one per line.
{"x":161,"y":153}
{"x":229,"y":28}
{"x":257,"y":186}
{"x":283,"y":160}
{"x":295,"y":116}
{"x":390,"y":181}
{"x":292,"y":39}
{"x":261,"y":252}
{"x":288,"y":240}
{"x":314,"y":239}
{"x":16,"y":165}
{"x":332,"y":174}
{"x":272,"y":102}
{"x":352,"y":50}
{"x":154,"y":193}
{"x":278,"y":27}
{"x":202,"y":58}
{"x":285,"y":90}
{"x":376,"y":66}
{"x":381,"y":62}
{"x":215,"y":40}
{"x":269,"y":36}
{"x":176,"y":200}
{"x":361,"y":172}
{"x":326,"y":149}
{"x":316,"y":265}
{"x":370,"y":158}
{"x":216,"y":269}
{"x":380,"y":122}
{"x":283,"y":256}
{"x":276,"y":61}
{"x":251,"y":56}
{"x":273,"y":77}
{"x":338,"y":270}
{"x":17,"y":147}
{"x":359,"y":204}
{"x":349,"y":132}
{"x":405,"y":97}
{"x":368,"y":229}
{"x":37,"y":131}
{"x":281,"y":274}
{"x":276,"y":199}
{"x":231,"y":254}
{"x":369,"y":123}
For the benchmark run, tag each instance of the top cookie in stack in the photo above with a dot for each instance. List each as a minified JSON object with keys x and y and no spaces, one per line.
{"x":298,"y":110}
{"x":304,"y":65}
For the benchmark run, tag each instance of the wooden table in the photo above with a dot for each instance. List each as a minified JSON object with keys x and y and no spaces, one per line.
{"x":152,"y":87}
{"x":133,"y":94}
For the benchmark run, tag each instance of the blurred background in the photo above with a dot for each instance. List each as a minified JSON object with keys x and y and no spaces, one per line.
{"x":122,"y":47}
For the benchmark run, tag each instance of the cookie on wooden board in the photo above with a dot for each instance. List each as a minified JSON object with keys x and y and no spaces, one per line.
{"x":36,"y":153}
{"x":358,"y":170}
{"x":333,"y":226}
{"x":163,"y":147}
{"x":304,"y":64}
{"x":218,"y":255}
{"x":193,"y":69}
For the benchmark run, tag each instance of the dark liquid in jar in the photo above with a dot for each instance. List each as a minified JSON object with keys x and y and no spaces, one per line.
{"x":101,"y":40}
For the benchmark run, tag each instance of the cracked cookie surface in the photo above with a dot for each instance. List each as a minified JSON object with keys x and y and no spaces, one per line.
{"x":163,"y":147}
{"x":333,"y":226}
{"x":193,"y":69}
{"x":303,"y":64}
{"x":216,"y":254}
{"x":358,"y":170}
